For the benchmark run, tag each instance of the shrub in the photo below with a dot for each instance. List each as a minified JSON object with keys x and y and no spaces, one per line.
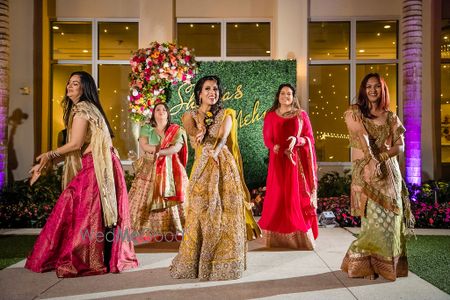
{"x":332,"y":184}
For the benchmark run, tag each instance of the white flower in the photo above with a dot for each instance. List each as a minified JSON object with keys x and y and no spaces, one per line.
{"x":166,"y":65}
{"x":152,"y":77}
{"x":133,"y":110}
{"x":128,"y":98}
{"x":188,"y":53}
{"x":135,"y":93}
{"x":156,"y":92}
{"x":146,"y":112}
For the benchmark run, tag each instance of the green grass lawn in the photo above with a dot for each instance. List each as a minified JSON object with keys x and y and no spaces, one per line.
{"x":429,"y":258}
{"x":14,"y":248}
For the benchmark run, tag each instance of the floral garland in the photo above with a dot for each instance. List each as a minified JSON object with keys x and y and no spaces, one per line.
{"x":153,"y":70}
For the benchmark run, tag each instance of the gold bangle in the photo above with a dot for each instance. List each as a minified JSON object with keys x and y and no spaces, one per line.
{"x":384,"y":156}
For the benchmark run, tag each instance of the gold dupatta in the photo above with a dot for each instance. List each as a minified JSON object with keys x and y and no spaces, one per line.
{"x":101,"y":144}
{"x":253,"y":230}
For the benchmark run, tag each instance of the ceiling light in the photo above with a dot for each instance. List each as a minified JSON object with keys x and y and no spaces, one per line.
{"x":126,"y":27}
{"x":106,"y":30}
{"x":55,"y":27}
{"x":85,"y":51}
{"x":361,"y":50}
{"x":192,"y":25}
{"x":387,"y":26}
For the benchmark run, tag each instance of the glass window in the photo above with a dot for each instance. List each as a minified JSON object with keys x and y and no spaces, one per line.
{"x":60,"y":76}
{"x":117,"y":40}
{"x":329,"y":40}
{"x":71,"y":40}
{"x":203,"y":37}
{"x":328,"y":99}
{"x":376,"y":39}
{"x":248,"y":39}
{"x":113,"y":91}
{"x":387,"y":71}
{"x":445,"y":39}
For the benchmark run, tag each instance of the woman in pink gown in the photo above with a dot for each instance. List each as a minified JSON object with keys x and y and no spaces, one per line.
{"x":289,"y":214}
{"x":88,"y":231}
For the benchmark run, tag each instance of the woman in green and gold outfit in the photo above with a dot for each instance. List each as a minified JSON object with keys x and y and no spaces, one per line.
{"x":378,"y":192}
{"x":157,"y":193}
{"x":218,"y":219}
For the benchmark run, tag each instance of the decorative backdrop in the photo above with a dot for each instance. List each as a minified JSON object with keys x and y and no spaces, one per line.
{"x":249,"y":88}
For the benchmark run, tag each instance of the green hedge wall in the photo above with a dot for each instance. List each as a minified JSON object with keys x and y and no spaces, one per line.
{"x":249,"y":88}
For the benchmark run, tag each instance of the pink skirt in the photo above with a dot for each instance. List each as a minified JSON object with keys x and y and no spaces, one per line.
{"x":74,"y":240}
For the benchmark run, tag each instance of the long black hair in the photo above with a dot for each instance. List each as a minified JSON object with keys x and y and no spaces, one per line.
{"x":89,"y":94}
{"x":363,"y":101}
{"x":198,"y":89}
{"x":153,"y":120}
{"x":276,"y":102}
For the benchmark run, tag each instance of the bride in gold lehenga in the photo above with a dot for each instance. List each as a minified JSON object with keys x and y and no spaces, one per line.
{"x":214,"y":241}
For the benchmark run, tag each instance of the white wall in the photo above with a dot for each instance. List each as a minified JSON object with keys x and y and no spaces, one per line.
{"x":21,"y":75}
{"x":355,"y":8}
{"x":290,"y":34}
{"x":97,"y":8}
{"x":224,"y":8}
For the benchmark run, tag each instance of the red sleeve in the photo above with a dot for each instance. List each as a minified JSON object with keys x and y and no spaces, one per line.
{"x":268,"y":131}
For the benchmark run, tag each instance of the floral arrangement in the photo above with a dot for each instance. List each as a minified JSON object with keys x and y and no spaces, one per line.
{"x":209,"y":118}
{"x":153,"y":70}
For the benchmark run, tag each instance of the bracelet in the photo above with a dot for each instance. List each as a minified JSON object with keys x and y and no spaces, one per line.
{"x":384,"y":156}
{"x":53,"y":154}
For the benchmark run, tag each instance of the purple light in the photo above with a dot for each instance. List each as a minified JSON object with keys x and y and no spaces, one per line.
{"x":412,"y":88}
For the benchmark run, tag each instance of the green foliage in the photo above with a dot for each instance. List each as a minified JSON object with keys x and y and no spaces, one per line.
{"x":430,"y":192}
{"x":334,"y":184}
{"x":249,"y":89}
{"x":14,"y":248}
{"x":25,"y":206}
{"x":429,"y":258}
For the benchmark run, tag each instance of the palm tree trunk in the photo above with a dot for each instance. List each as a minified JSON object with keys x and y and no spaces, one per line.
{"x":4,"y":88}
{"x":412,"y":87}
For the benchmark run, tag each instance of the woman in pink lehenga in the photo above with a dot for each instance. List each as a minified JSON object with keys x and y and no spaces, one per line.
{"x":289,"y":217}
{"x":88,"y":231}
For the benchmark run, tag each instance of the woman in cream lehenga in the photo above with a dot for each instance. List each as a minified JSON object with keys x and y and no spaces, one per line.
{"x":214,"y":241}
{"x":157,"y":193}
{"x":378,"y":193}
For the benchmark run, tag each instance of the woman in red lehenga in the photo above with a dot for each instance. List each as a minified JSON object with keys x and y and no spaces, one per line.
{"x":289,"y":214}
{"x":88,"y":231}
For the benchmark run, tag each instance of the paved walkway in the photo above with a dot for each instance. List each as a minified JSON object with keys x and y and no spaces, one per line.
{"x":271,"y":274}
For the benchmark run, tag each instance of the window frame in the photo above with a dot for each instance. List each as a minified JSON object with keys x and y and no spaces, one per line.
{"x":94,"y":62}
{"x":353,"y":62}
{"x":223,"y":37}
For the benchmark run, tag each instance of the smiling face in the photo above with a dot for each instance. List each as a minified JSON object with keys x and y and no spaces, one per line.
{"x":209,"y":94}
{"x":74,"y":89}
{"x":161,"y":114}
{"x":286,"y":97}
{"x":373,"y":89}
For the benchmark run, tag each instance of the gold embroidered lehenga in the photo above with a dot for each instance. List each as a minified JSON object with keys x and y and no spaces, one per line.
{"x":214,"y":241}
{"x":380,"y":199}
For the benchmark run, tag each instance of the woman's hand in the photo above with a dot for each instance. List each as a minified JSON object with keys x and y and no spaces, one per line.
{"x":201,"y":134}
{"x":292,"y":141}
{"x":290,"y":155}
{"x":276,"y":148}
{"x":214,"y":155}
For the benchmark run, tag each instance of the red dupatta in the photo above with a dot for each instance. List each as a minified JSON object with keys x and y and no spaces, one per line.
{"x":179,"y":161}
{"x":307,"y":172}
